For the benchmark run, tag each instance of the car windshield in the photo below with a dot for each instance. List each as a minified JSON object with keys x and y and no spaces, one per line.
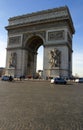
{"x":80,"y":78}
{"x":60,"y":79}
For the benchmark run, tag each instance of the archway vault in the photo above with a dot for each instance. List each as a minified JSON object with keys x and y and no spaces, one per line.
{"x":33,"y":43}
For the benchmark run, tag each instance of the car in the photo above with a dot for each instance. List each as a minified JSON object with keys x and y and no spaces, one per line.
{"x":5,"y":78}
{"x":59,"y":81}
{"x":52,"y":81}
{"x":79,"y":80}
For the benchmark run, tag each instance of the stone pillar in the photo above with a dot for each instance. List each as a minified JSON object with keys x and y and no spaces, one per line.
{"x":35,"y":62}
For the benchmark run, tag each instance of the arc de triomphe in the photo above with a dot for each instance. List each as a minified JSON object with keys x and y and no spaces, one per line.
{"x":51,"y":28}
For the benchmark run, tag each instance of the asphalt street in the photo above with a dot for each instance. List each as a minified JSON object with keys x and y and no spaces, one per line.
{"x":40,"y":105}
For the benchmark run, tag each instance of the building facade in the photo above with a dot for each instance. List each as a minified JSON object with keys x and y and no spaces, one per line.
{"x":51,"y":28}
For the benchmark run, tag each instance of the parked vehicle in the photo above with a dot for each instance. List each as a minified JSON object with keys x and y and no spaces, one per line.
{"x":58,"y":81}
{"x":5,"y":78}
{"x":79,"y":80}
{"x":52,"y":81}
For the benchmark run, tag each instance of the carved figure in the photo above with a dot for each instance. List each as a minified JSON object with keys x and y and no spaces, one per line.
{"x":12,"y":60}
{"x":54,"y":58}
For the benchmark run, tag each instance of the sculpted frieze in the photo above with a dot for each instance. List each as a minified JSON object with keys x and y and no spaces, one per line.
{"x":14,"y":40}
{"x":37,"y":27}
{"x":56,"y":35}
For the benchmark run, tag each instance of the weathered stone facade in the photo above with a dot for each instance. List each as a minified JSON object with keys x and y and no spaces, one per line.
{"x":51,"y":28}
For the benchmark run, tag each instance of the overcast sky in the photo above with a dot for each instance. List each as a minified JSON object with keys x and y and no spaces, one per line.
{"x":11,"y":8}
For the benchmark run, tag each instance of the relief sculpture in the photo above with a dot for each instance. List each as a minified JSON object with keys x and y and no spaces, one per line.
{"x":54,"y":58}
{"x":14,"y":40}
{"x":12,"y":60}
{"x":56,"y":35}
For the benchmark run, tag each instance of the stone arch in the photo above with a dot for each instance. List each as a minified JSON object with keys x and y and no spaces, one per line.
{"x":32,"y":35}
{"x":32,"y":44}
{"x":51,"y":28}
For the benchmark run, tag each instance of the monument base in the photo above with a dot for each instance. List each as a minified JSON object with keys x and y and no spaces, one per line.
{"x":10,"y":71}
{"x":51,"y":73}
{"x":56,"y":72}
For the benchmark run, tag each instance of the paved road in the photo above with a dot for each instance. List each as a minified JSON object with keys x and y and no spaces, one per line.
{"x":37,"y":105}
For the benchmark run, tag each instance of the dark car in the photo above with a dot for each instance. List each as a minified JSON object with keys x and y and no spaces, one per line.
{"x":6,"y":78}
{"x":60,"y":81}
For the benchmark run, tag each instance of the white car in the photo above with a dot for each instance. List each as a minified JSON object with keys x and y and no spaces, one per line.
{"x":52,"y":81}
{"x":79,"y":80}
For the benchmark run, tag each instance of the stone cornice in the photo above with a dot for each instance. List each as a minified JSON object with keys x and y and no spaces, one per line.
{"x":12,"y":48}
{"x":17,"y":48}
{"x":41,"y":17}
{"x":33,"y":23}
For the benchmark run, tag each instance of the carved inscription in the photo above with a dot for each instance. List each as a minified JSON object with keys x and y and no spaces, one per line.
{"x":15,"y":40}
{"x":56,"y":35}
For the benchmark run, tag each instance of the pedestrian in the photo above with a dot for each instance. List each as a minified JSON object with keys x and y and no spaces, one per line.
{"x":10,"y":78}
{"x":20,"y":78}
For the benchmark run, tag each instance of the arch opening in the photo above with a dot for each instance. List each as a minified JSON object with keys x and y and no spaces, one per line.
{"x":40,"y":59}
{"x":34,"y":47}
